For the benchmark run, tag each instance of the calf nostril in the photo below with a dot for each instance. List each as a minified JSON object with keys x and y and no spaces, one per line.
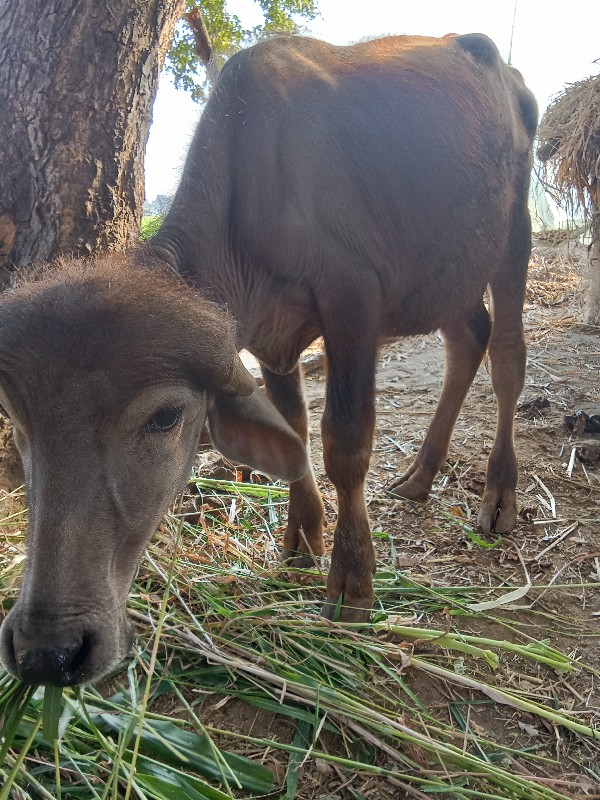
{"x":78,"y":662}
{"x":7,"y":648}
{"x":57,"y":666}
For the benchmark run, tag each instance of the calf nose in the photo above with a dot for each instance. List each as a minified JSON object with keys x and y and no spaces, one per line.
{"x":58,"y":667}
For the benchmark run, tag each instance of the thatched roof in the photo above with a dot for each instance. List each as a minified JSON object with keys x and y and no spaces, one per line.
{"x":569,"y":137}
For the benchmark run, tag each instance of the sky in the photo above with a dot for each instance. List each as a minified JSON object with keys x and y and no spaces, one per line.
{"x":554,"y":43}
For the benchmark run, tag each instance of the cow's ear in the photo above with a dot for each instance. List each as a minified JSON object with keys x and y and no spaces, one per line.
{"x":250,"y":430}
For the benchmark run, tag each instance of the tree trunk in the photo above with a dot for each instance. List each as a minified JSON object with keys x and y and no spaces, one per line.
{"x":77,"y":83}
{"x":591,"y":309}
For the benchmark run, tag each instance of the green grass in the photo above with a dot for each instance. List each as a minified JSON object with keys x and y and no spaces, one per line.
{"x":150,"y":225}
{"x":219,"y":622}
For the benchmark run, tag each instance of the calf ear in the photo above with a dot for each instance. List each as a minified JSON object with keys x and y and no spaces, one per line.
{"x":250,"y":430}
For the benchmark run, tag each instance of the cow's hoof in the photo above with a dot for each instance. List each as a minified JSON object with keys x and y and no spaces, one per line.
{"x":358,"y":610}
{"x":498,"y":512}
{"x":298,"y":560}
{"x":410,"y":489}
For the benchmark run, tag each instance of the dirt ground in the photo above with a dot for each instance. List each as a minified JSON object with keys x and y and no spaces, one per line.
{"x":557,"y":539}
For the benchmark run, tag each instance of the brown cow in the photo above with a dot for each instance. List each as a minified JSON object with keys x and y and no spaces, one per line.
{"x":356,"y":193}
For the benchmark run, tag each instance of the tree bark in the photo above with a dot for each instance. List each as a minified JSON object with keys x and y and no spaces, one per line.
{"x":591,"y":309}
{"x":77,"y":83}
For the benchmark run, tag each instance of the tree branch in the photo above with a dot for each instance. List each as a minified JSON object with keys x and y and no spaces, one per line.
{"x":204,"y":47}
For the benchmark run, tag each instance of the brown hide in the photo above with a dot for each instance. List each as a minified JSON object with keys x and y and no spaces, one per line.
{"x":361,"y":193}
{"x":356,"y":193}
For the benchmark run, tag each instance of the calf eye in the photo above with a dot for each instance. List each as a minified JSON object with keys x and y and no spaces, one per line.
{"x":164,"y":420}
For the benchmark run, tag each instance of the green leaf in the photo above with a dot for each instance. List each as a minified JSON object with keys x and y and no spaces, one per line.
{"x":302,"y":738}
{"x":164,"y":741}
{"x":275,"y":707}
{"x":51,"y":711}
{"x":169,"y":784}
{"x":13,"y":710}
{"x":479,"y":541}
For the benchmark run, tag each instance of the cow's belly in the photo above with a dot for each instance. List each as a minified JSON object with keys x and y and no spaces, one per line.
{"x":426,"y":307}
{"x":437,"y":283}
{"x":279,"y":333}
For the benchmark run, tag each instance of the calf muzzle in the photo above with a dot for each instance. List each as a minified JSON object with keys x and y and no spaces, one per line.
{"x":60,"y":667}
{"x":61,"y":656}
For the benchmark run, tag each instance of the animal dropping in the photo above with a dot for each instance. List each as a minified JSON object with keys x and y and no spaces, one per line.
{"x":356,"y":193}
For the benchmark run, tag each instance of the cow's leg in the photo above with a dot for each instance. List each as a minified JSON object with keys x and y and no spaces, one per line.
{"x":466,"y":343}
{"x":347,"y":431}
{"x":303,"y":536}
{"x":507,"y":356}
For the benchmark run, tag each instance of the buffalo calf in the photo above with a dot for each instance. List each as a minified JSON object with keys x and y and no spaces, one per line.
{"x":109,"y":374}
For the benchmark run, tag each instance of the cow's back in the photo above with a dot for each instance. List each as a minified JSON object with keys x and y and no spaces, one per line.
{"x":398,"y":162}
{"x":404,"y":156}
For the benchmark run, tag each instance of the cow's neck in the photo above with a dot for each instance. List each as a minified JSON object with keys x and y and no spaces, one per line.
{"x":196,"y":250}
{"x":204,"y":259}
{"x":275,"y":327}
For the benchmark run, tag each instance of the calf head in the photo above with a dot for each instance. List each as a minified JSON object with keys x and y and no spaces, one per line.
{"x":109,"y":374}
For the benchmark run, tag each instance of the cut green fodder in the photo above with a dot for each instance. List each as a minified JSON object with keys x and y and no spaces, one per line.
{"x":406,"y":700}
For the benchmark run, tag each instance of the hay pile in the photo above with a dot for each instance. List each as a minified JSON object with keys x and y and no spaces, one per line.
{"x":569,"y":136}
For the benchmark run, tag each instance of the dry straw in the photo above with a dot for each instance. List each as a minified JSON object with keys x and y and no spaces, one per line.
{"x":569,"y":136}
